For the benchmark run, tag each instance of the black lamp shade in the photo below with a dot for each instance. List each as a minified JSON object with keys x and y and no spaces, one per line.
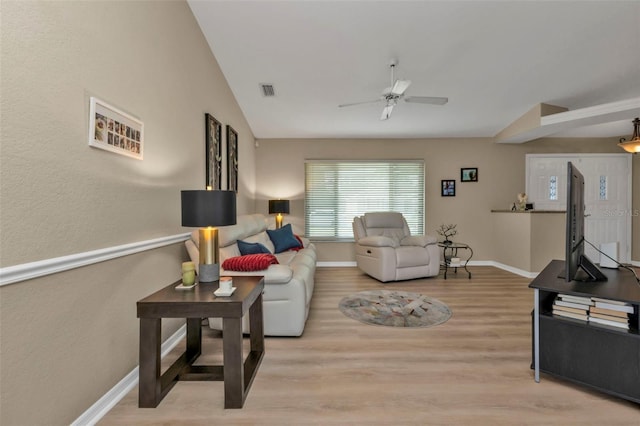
{"x":202,"y":208}
{"x":279,"y":206}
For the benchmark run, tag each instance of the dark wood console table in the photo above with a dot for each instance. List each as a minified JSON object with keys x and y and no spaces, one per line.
{"x":194,"y":305}
{"x":601,"y":357}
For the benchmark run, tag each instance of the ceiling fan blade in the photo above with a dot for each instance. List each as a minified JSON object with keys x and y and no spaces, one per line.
{"x":433,"y":100}
{"x":386,"y":112}
{"x":360,"y":103}
{"x":400,"y":86}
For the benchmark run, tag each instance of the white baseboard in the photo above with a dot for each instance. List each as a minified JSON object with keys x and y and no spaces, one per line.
{"x":124,"y":386}
{"x":508,"y":268}
{"x":336,"y":264}
{"x":504,"y":267}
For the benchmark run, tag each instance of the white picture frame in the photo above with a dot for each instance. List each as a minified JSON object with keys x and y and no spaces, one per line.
{"x":114,"y":130}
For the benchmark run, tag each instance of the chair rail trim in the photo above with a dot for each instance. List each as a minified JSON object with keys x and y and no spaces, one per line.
{"x":26,"y":271}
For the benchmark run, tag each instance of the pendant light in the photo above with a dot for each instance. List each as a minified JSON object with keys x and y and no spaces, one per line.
{"x":633,"y":145}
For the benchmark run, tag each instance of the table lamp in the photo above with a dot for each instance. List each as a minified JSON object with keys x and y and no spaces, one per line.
{"x":279,"y":207}
{"x":207,"y":209}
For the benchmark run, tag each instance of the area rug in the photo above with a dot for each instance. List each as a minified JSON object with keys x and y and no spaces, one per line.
{"x":395,"y":309}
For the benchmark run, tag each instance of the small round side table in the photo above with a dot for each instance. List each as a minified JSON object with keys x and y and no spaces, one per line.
{"x":452,"y":249}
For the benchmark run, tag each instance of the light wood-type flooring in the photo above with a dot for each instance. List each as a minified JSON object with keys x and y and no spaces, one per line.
{"x":472,"y":370}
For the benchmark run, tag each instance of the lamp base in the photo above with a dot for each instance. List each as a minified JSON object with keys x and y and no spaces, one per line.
{"x":209,"y":272}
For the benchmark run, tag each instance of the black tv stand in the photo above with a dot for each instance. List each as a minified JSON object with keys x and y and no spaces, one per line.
{"x":593,"y":273}
{"x":598,"y":356}
{"x":587,"y":271}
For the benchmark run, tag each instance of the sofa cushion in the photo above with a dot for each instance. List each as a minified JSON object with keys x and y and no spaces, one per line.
{"x":283,"y":238}
{"x":251,"y":248}
{"x":250,"y":262}
{"x":246,"y":226}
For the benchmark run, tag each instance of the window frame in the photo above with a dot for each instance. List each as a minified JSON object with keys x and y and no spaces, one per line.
{"x":415,"y":219}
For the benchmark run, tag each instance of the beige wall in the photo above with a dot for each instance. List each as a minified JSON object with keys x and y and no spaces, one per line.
{"x":67,"y":338}
{"x":501,"y":175}
{"x":528,"y":240}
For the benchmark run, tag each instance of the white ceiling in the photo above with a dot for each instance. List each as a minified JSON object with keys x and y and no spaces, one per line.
{"x":494,"y":60}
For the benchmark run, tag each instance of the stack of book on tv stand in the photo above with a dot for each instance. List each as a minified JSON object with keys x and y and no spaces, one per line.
{"x":596,"y":310}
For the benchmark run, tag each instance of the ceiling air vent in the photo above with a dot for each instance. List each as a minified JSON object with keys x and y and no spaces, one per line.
{"x":267,"y":90}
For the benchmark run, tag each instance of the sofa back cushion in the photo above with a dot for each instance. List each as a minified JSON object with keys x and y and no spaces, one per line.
{"x":251,"y":248}
{"x":246,"y":226}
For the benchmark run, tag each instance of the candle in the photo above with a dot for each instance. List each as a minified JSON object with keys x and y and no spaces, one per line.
{"x":188,"y":273}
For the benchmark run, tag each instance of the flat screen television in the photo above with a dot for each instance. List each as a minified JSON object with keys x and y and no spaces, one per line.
{"x":578,"y":267}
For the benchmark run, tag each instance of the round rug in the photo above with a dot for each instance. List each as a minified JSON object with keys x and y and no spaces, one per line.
{"x":395,"y":309}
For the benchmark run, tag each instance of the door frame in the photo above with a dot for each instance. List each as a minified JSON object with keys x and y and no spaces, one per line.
{"x":625,"y":252}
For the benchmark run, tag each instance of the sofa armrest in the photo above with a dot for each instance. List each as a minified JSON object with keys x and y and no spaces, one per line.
{"x":274,"y":274}
{"x":305,"y":241}
{"x":418,"y":240}
{"x":278,"y":274}
{"x":377,"y":241}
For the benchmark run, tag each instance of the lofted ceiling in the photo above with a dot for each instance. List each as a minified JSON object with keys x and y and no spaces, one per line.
{"x":494,"y":60}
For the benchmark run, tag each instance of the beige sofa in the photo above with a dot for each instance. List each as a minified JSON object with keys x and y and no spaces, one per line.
{"x":288,"y":285}
{"x":386,"y":250}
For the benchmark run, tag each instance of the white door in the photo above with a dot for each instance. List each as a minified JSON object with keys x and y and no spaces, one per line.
{"x":607,"y":195}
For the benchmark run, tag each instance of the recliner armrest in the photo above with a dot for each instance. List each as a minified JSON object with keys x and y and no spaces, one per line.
{"x":377,"y":241}
{"x":418,"y":240}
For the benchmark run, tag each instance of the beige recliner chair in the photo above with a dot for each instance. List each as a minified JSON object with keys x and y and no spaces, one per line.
{"x":386,"y":250}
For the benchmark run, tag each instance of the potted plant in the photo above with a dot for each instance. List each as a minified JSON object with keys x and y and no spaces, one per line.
{"x":447,"y":231}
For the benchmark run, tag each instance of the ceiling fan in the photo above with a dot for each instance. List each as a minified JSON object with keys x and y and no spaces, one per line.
{"x":395,"y":92}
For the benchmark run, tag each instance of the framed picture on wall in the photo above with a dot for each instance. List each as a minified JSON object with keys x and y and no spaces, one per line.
{"x":232,"y":159}
{"x":448,"y":188}
{"x":114,"y":130}
{"x":469,"y":174}
{"x":213,"y":148}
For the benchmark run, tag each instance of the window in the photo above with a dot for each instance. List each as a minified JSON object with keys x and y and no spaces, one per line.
{"x":553,"y":188}
{"x":337,"y":191}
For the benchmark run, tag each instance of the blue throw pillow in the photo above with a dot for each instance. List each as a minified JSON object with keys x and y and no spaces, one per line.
{"x":283,"y":238}
{"x":251,"y":248}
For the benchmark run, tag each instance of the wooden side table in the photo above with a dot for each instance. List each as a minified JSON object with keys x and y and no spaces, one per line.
{"x":194,"y":305}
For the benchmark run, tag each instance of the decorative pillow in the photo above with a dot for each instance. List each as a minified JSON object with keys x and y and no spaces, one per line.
{"x":251,"y":248}
{"x":300,"y":247}
{"x":250,"y":262}
{"x":283,"y":239}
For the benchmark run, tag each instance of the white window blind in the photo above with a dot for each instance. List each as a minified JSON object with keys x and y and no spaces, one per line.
{"x":337,"y":191}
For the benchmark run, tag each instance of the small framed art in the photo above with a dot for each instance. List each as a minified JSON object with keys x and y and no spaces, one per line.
{"x":114,"y":130}
{"x":448,"y":188}
{"x":469,"y":174}
{"x":232,"y":159}
{"x":213,"y":148}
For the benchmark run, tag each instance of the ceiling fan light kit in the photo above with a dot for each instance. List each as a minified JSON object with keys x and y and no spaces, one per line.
{"x":395,"y":92}
{"x":632,"y":146}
